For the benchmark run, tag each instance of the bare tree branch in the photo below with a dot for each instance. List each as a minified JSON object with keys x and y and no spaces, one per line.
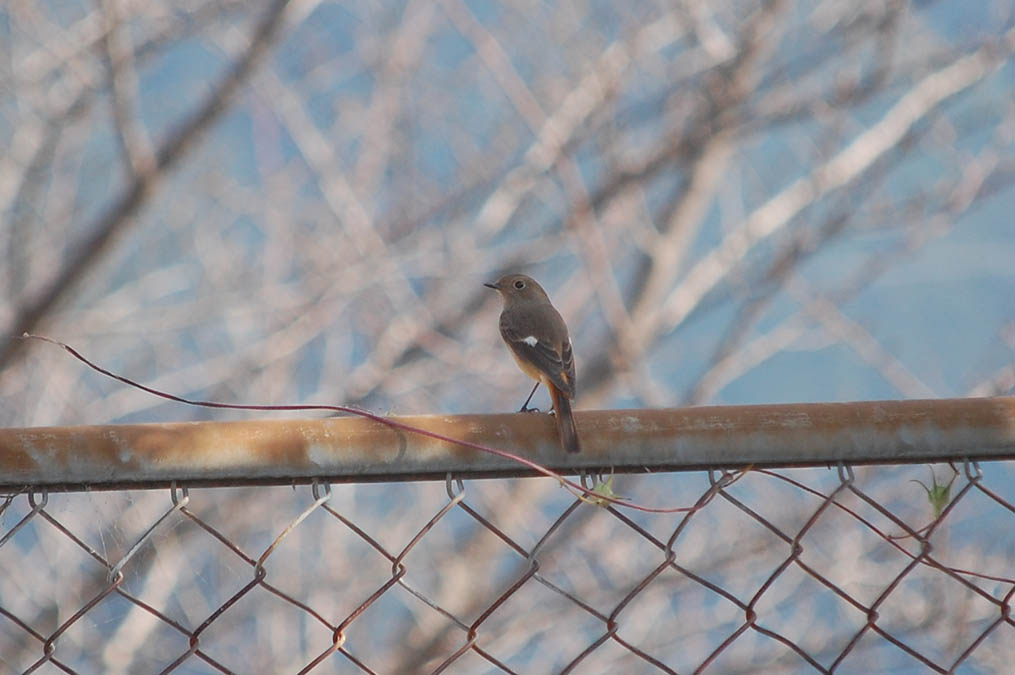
{"x":117,"y":216}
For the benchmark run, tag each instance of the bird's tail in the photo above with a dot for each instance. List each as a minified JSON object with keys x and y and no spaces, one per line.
{"x":565,"y":420}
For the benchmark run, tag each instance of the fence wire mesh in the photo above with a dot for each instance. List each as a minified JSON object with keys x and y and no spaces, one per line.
{"x":806,"y":570}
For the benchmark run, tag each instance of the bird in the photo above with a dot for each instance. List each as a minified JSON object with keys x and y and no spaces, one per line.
{"x":537,"y":336}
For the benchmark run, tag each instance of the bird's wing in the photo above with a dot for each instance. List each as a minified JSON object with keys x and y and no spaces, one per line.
{"x":557,"y":364}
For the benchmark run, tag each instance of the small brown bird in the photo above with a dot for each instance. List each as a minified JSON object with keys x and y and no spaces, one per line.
{"x":537,"y":336}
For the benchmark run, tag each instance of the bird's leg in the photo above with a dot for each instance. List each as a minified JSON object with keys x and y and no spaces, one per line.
{"x":525,"y":406}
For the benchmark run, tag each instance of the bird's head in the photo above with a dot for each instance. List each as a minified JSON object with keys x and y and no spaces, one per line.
{"x":519,"y":288}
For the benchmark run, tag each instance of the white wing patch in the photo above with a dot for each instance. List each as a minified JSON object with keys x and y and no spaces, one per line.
{"x":531,"y":341}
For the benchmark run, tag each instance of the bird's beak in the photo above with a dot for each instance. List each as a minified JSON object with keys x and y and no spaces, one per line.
{"x":493,"y":286}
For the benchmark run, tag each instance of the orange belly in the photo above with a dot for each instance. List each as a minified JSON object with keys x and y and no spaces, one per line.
{"x":529,"y":369}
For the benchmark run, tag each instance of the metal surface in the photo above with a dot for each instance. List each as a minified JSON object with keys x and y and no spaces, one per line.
{"x":357,"y":449}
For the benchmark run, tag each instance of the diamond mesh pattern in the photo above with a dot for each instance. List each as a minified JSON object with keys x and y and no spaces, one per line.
{"x":788,"y":571}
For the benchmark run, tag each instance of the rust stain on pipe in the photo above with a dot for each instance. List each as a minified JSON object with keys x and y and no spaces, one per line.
{"x":358,"y":449}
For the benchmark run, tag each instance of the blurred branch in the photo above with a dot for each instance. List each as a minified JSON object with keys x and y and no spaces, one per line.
{"x":663,"y":264}
{"x":138,"y":154}
{"x":561,"y":126}
{"x":669,"y":307}
{"x":585,"y":221}
{"x":734,"y":358}
{"x":118,"y":216}
{"x":848,"y":165}
{"x":828,"y":315}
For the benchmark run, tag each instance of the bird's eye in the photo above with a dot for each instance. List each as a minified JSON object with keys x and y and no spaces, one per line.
{"x":519,"y":284}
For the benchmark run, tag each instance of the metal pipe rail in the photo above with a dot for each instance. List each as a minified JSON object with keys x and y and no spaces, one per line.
{"x":354,"y":449}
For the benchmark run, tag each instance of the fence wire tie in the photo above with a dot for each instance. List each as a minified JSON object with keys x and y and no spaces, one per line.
{"x":180,"y":496}
{"x":38,"y":506}
{"x":846,"y":475}
{"x":450,"y":484}
{"x":716,"y":485}
{"x":972,"y":470}
{"x":315,"y":490}
{"x":725,"y":479}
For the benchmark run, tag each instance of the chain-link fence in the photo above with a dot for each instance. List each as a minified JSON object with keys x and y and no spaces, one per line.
{"x":845,"y":569}
{"x":281,"y":202}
